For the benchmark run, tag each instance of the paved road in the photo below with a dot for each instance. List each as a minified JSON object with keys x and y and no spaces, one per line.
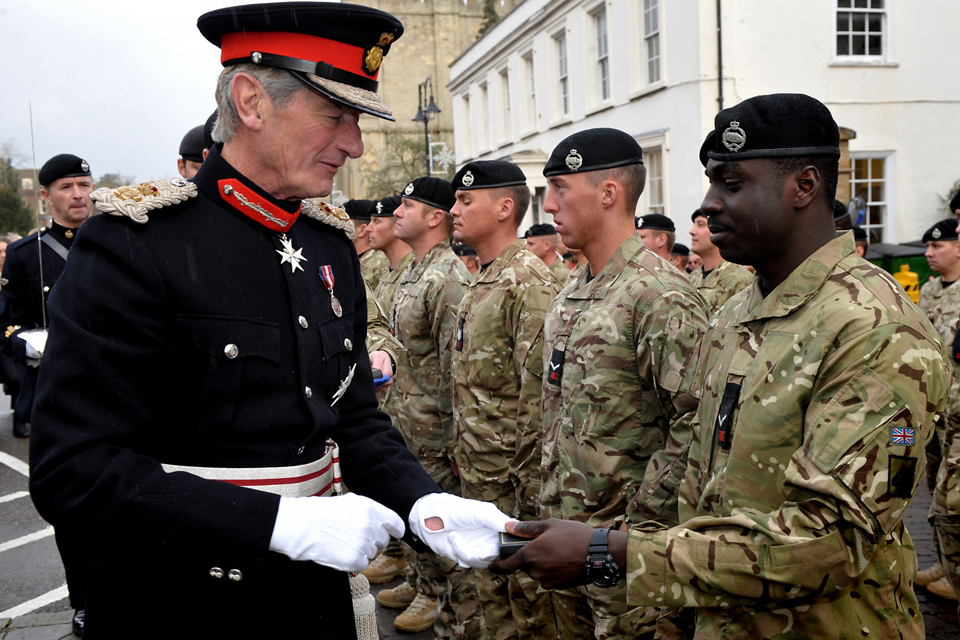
{"x":33,"y":604}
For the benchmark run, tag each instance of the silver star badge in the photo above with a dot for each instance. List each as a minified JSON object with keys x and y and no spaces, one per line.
{"x":290,"y":255}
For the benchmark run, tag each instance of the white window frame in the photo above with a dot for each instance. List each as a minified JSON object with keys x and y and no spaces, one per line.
{"x":530,"y":120}
{"x":600,"y":40}
{"x":886,"y":39}
{"x":653,"y":160}
{"x":656,"y":141}
{"x":645,"y":37}
{"x":466,"y":135}
{"x":560,"y":45}
{"x":505,"y":112}
{"x":483,"y":125}
{"x":888,"y":225}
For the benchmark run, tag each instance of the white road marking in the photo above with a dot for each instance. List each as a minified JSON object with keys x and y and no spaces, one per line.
{"x":16,"y":464}
{"x":32,"y":605}
{"x":14,"y":496}
{"x":33,"y":537}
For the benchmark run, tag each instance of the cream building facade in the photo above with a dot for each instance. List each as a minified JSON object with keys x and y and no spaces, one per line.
{"x":650,"y":67}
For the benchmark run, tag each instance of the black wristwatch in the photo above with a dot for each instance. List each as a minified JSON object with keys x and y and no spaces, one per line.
{"x":602,"y":569}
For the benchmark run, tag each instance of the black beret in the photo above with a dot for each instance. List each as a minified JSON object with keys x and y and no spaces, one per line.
{"x":955,"y":203}
{"x":542,"y":229}
{"x":384,"y":207}
{"x":432,"y":191}
{"x":698,"y":214}
{"x":464,"y":250}
{"x":488,"y":174}
{"x":656,"y":221}
{"x":593,"y":150}
{"x":860,"y":234}
{"x":191,"y":147}
{"x":780,"y":125}
{"x":358,"y":209}
{"x":943,"y":230}
{"x":208,"y":130}
{"x":680,"y":250}
{"x":64,"y":165}
{"x":335,"y":49}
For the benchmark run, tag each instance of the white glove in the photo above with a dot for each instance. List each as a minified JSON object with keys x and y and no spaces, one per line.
{"x":342,"y":532}
{"x":35,"y":341}
{"x":471,"y":529}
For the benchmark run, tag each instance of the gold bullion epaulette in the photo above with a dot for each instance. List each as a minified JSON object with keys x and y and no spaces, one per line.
{"x":135,"y":201}
{"x":333,"y":216}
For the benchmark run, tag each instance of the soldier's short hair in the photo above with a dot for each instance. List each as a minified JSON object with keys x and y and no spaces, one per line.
{"x":280,"y":85}
{"x":632,"y":177}
{"x":827,"y":165}
{"x":520,"y":194}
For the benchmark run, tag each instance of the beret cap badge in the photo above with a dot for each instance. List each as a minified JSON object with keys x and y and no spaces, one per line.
{"x":379,"y":207}
{"x":467,"y":179}
{"x":408,"y":190}
{"x":734,"y":137}
{"x":574,"y":160}
{"x":84,"y":165}
{"x":936,"y":233}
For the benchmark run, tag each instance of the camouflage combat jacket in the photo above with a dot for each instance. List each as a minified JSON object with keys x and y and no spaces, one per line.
{"x":374,"y":265}
{"x":619,"y":355}
{"x":942,"y":306}
{"x":390,"y":397}
{"x":497,"y":377}
{"x":379,"y":337}
{"x":423,"y":318}
{"x":816,"y":405}
{"x":720,"y":284}
{"x":559,"y":270}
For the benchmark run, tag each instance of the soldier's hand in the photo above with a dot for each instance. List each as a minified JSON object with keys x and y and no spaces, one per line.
{"x":381,"y":360}
{"x":556,"y":557}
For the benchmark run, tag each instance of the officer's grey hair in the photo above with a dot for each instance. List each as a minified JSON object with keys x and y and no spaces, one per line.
{"x":280,"y":85}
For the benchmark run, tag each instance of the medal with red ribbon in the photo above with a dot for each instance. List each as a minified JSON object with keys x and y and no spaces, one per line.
{"x":326,"y":274}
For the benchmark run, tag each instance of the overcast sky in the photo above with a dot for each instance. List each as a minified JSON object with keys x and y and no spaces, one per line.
{"x":117,"y":83}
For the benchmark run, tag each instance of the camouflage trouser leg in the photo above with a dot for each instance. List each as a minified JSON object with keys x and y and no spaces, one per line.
{"x":514,"y":608}
{"x":591,"y":612}
{"x":948,"y":538}
{"x":393,"y":549}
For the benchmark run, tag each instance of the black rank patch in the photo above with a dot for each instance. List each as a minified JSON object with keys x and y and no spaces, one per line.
{"x":463,"y":320}
{"x":903,"y":474}
{"x":728,"y":405}
{"x":956,"y":346}
{"x":556,"y":368}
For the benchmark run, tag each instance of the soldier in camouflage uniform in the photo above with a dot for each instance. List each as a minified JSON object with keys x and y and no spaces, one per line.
{"x":423,"y":317}
{"x":820,"y":386}
{"x":717,"y":280}
{"x":497,"y":376}
{"x":620,"y":349}
{"x":373,"y":264}
{"x":542,"y":240}
{"x":940,"y":301}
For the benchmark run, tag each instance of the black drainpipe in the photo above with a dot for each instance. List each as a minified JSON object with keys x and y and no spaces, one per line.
{"x":719,"y":57}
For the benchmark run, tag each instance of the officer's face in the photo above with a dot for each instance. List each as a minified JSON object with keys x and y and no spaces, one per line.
{"x":574,"y":205}
{"x":305,"y":143}
{"x":943,"y":255}
{"x":750,"y":218}
{"x":69,"y":200}
{"x":474,"y":216}
{"x":380,"y":232}
{"x":700,"y":236}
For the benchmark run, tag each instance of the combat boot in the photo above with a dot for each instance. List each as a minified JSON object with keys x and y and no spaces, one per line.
{"x":927,"y":576}
{"x":942,"y":588}
{"x":399,"y":597}
{"x":419,"y":616}
{"x":384,"y":568}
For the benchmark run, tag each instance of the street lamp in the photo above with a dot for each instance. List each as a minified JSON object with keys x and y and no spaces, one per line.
{"x":426,"y":111}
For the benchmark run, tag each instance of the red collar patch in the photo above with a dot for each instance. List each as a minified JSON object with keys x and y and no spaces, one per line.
{"x":255,"y":207}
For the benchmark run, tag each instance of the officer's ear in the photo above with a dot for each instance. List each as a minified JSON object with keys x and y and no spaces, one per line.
{"x":248,"y":97}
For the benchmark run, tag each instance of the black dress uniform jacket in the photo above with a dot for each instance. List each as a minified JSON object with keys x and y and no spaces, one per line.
{"x":20,"y":301}
{"x":138,"y":328}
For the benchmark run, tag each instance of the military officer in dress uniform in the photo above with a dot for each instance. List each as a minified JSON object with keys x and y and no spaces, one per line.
{"x":820,"y":384}
{"x":940,"y":301}
{"x":373,"y":264}
{"x":191,"y":152}
{"x":212,"y":380}
{"x":717,"y":280}
{"x":620,"y":346}
{"x":497,"y":369}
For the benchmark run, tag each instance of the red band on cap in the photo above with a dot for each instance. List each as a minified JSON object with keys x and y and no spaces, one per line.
{"x":345,"y":57}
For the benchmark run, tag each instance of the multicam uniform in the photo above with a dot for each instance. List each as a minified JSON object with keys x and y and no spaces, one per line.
{"x":390,"y":401}
{"x":559,"y":270}
{"x":816,"y":404}
{"x":721,"y":284}
{"x":423,"y":318}
{"x":379,"y":337}
{"x":942,"y":305}
{"x":374,"y":265}
{"x":497,"y":372}
{"x":620,"y":353}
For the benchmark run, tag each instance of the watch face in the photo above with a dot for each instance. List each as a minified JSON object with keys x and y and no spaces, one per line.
{"x":603,"y":571}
